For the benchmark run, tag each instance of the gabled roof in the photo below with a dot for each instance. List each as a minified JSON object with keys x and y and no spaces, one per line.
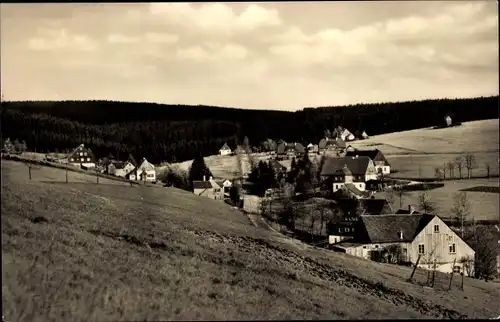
{"x":118,"y":164}
{"x":407,"y":212}
{"x":225,"y":147}
{"x":372,"y":154}
{"x":81,"y":147}
{"x":351,"y":187}
{"x":386,"y":228}
{"x":358,"y":166}
{"x":202,"y":185}
{"x":326,"y":142}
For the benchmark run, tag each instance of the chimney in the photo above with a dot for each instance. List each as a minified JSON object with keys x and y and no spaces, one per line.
{"x":401,"y":234}
{"x":411,"y":209}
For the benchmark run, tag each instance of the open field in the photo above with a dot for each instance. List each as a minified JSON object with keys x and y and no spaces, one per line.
{"x":88,"y":252}
{"x":484,"y":205}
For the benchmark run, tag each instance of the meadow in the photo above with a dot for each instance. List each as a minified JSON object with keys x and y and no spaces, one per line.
{"x":83,"y":251}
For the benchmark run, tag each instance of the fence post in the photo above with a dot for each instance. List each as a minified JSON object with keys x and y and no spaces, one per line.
{"x":414,"y":268}
{"x":451,"y":275}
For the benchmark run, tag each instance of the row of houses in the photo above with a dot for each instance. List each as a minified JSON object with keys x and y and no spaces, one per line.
{"x":84,"y":158}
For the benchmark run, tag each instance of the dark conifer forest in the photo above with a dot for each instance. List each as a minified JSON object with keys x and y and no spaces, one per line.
{"x":179,"y":132}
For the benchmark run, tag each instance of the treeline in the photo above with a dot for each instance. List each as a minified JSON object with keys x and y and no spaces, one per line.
{"x":178,"y":132}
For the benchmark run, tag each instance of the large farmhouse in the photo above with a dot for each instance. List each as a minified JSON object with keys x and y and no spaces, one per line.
{"x":331,"y":147}
{"x":82,"y":156}
{"x":378,"y":158}
{"x":418,"y":235}
{"x":208,"y":188}
{"x":351,"y":172}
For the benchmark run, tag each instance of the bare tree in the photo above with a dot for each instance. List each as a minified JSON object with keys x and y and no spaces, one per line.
{"x":430,"y":259}
{"x":470,"y":163}
{"x":425,"y":203}
{"x":390,"y":196}
{"x":488,"y":168}
{"x":459,"y":162}
{"x":451,"y":169}
{"x":400,"y":193}
{"x":31,"y":165}
{"x":467,"y":265}
{"x":438,"y":174}
{"x":461,"y":207}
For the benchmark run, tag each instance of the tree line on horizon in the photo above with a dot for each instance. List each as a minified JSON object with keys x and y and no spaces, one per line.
{"x":181,"y":132}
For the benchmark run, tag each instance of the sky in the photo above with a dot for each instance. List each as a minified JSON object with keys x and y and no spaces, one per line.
{"x":263,"y":55}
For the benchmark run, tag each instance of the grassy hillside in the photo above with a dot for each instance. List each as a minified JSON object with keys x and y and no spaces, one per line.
{"x":86,"y":252}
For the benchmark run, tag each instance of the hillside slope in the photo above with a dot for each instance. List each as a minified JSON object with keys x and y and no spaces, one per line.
{"x":84,"y":252}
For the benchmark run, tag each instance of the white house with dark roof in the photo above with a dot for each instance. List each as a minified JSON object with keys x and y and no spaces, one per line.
{"x":378,"y":158}
{"x":145,"y":171}
{"x":225,"y":150}
{"x":119,"y":168}
{"x":418,"y":235}
{"x":349,"y":172}
{"x":333,"y":147}
{"x":208,"y":188}
{"x":82,"y":156}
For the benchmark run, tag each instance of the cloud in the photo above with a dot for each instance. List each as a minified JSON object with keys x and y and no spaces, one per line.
{"x":162,"y":38}
{"x":215,"y":17}
{"x":213,"y":52}
{"x":122,"y":39}
{"x":62,"y":39}
{"x":399,"y":41}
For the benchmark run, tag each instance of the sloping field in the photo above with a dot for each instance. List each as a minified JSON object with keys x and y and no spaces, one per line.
{"x":89,"y":252}
{"x":484,"y":205}
{"x":476,"y":136}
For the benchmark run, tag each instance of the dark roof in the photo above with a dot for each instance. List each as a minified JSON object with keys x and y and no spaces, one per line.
{"x":372,"y":154}
{"x":292,"y":146}
{"x":373,"y":207}
{"x":406,"y":212}
{"x":353,"y":189}
{"x":225,"y":147}
{"x":118,"y":164}
{"x":280,"y":148}
{"x":386,"y":228}
{"x":357,"y":165}
{"x":324,"y":143}
{"x":202,"y":185}
{"x":276,"y":165}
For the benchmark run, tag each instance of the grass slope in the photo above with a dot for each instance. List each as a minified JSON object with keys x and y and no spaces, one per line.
{"x":84,"y":251}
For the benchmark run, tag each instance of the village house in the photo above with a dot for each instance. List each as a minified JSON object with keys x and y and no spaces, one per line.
{"x":346,"y":135}
{"x":332,"y":147}
{"x":349,"y":213}
{"x":208,"y":188}
{"x":82,"y":157}
{"x":290,"y":150}
{"x":378,"y":158}
{"x":226,"y":185}
{"x":364,"y":135}
{"x":225,"y":150}
{"x":419,"y":235}
{"x":351,"y":172}
{"x":119,"y":168}
{"x":145,"y":171}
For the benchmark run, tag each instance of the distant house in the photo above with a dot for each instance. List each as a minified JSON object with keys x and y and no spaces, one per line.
{"x":208,"y":188}
{"x":290,"y":150}
{"x":448,"y":119}
{"x":346,"y":135}
{"x":145,"y":171}
{"x":119,"y":168}
{"x":378,"y":158}
{"x":82,"y":157}
{"x":225,"y":184}
{"x":332,"y":147}
{"x":421,"y":235}
{"x":348,"y":171}
{"x":225,"y":150}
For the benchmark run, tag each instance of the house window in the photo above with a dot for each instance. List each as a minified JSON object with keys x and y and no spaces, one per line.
{"x":336,"y":186}
{"x":436,"y":228}
{"x":82,"y":159}
{"x":85,"y":153}
{"x":72,"y":160}
{"x":150,"y":175}
{"x":421,"y":249}
{"x":88,"y":159}
{"x":452,"y":249}
{"x":81,"y":154}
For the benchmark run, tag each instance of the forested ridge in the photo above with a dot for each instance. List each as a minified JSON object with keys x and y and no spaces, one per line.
{"x":179,"y":132}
